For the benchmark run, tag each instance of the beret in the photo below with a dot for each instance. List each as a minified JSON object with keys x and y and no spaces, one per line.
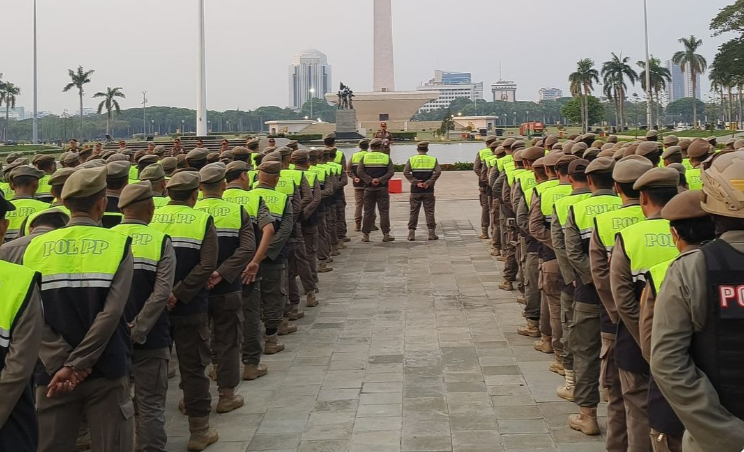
{"x":253,"y":144}
{"x":159,"y":150}
{"x":285,"y":151}
{"x":270,"y":167}
{"x":619,"y":154}
{"x":607,"y":146}
{"x":213,"y":173}
{"x":539,"y":163}
{"x":550,"y":140}
{"x":671,"y":140}
{"x":25,"y":170}
{"x":610,"y":153}
{"x":300,"y":154}
{"x":269,"y":150}
{"x":313,"y":154}
{"x":149,"y":159}
{"x":117,"y":158}
{"x":294,"y":143}
{"x":612,"y":139}
{"x":568,"y":146}
{"x":631,"y":149}
{"x":364,"y":141}
{"x":198,"y":154}
{"x":107,"y":154}
{"x":647,"y":148}
{"x":597,"y":144}
{"x":227,"y":156}
{"x":169,"y":163}
{"x":138,"y":155}
{"x":491,"y":138}
{"x":237,"y":165}
{"x":578,"y":166}
{"x":533,"y":153}
{"x":518,"y":144}
{"x":375,"y":142}
{"x":16,"y":155}
{"x":684,"y":206}
{"x":684,"y":143}
{"x":670,"y":151}
{"x":240,"y":150}
{"x":652,"y":133}
{"x":499,"y":150}
{"x":629,"y":169}
{"x":85,"y":182}
{"x":579,"y":148}
{"x":95,"y":163}
{"x":42,"y":158}
{"x":739,"y":144}
{"x":49,"y":212}
{"x":331,"y":135}
{"x":16,"y":163}
{"x":679,"y":167}
{"x":508,"y":142}
{"x":213,"y":157}
{"x":184,"y":180}
{"x":152,"y":172}
{"x":590,"y":153}
{"x":699,"y":148}
{"x":517,"y":156}
{"x":60,"y":176}
{"x":552,"y":158}
{"x":126,"y":151}
{"x":118,"y":169}
{"x":272,"y":157}
{"x":657,"y":177}
{"x":711,"y":139}
{"x":493,"y":145}
{"x":558,"y":146}
{"x":71,"y":157}
{"x":566,"y":159}
{"x":600,"y":166}
{"x":141,"y":191}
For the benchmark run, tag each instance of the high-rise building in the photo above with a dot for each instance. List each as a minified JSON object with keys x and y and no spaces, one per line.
{"x":681,"y":84}
{"x":384,"y":64}
{"x":450,"y":86}
{"x":309,"y":76}
{"x":549,"y":94}
{"x":504,"y":90}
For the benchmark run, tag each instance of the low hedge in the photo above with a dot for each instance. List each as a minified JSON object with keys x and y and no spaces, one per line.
{"x":457,"y":166}
{"x":302,"y":138}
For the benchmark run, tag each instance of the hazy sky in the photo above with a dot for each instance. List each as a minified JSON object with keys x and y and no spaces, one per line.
{"x":150,"y":45}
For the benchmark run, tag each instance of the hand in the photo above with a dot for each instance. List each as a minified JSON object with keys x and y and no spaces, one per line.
{"x":172,"y":302}
{"x":131,"y":325}
{"x":215,"y":279}
{"x":375,"y":182}
{"x":65,"y":380}
{"x":250,"y":272}
{"x":357,"y":180}
{"x":425,"y":185}
{"x":420,"y":185}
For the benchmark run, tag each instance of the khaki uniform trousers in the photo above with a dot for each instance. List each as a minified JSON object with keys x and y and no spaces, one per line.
{"x":484,"y":196}
{"x":150,"y":375}
{"x":635,"y":395}
{"x":298,"y":264}
{"x":586,"y":344}
{"x":226,"y":312}
{"x":324,"y":241}
{"x":341,"y":215}
{"x":108,"y":406}
{"x":358,"y":205}
{"x":567,"y":314}
{"x":273,"y":297}
{"x":550,"y":309}
{"x":496,"y":223}
{"x":511,"y":262}
{"x":331,"y":223}
{"x":191,"y":336}
{"x":310,"y":238}
{"x":531,"y":271}
{"x":428,"y":200}
{"x":617,"y":433}
{"x":376,"y":197}
{"x":252,"y":327}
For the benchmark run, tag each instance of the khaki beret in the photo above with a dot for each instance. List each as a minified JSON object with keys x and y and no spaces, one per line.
{"x":508,"y":142}
{"x":39,"y":158}
{"x":375,"y":142}
{"x":241,"y":150}
{"x":227,"y":156}
{"x":517,"y":155}
{"x":25,"y":170}
{"x":159,"y":150}
{"x":270,"y":167}
{"x":197,"y":154}
{"x":126,"y":151}
{"x":107,"y":154}
{"x":652,"y":133}
{"x":699,"y":148}
{"x":630,"y":150}
{"x":552,"y":158}
{"x":95,"y":163}
{"x":138,"y":155}
{"x":597,"y":144}
{"x":550,"y":140}
{"x":253,"y":144}
{"x":568,"y":146}
{"x":730,"y":142}
{"x":364,"y":141}
{"x":268,"y":150}
{"x":272,"y":157}
{"x":13,"y":156}
{"x":300,"y":155}
{"x":422,"y":145}
{"x":169,"y":163}
{"x":609,"y":153}
{"x":600,"y":166}
{"x":712,"y":140}
{"x":612,"y":139}
{"x":618,"y":145}
{"x":213,"y":157}
{"x":71,"y":157}
{"x":589,"y":136}
{"x":619,"y":154}
{"x":518,"y":144}
{"x":590,"y":153}
{"x":49,"y":212}
{"x":313,"y":154}
{"x":684,"y":143}
{"x":629,"y":169}
{"x":657,"y":177}
{"x":213,"y":173}
{"x":60,"y":176}
{"x":152,"y":172}
{"x":493,"y":145}
{"x":117,"y":158}
{"x":557,"y":146}
{"x":184,"y":181}
{"x":85,"y":182}
{"x":285,"y":151}
{"x":15,"y":164}
{"x":739,"y":144}
{"x":149,"y":159}
{"x":141,"y":191}
{"x":579,"y":148}
{"x":499,"y":150}
{"x":670,"y":151}
{"x":294,"y":144}
{"x":539,"y":163}
{"x":607,"y":146}
{"x":577,"y":166}
{"x":684,"y":206}
{"x":118,"y":169}
{"x":679,"y":167}
{"x":329,"y":136}
{"x":647,"y":148}
{"x":533,"y":153}
{"x":566,"y":159}
{"x":237,"y":165}
{"x":671,"y":140}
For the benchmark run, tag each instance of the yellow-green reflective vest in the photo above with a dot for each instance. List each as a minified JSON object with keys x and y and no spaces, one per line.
{"x":275,"y":201}
{"x":646,"y":244}
{"x":541,"y":187}
{"x":491,"y":161}
{"x":549,"y":197}
{"x":147,"y":245}
{"x":693,"y":179}
{"x":657,"y":273}
{"x":500,"y":162}
{"x":160,"y":201}
{"x":585,"y":211}
{"x":527,"y":182}
{"x":252,"y":177}
{"x":227,"y":215}
{"x":254,"y":156}
{"x":511,"y":174}
{"x":184,"y":225}
{"x":357,"y":157}
{"x":337,"y":169}
{"x":608,"y":224}
{"x":484,"y":153}
{"x":686,"y":163}
{"x":31,"y":218}
{"x":379,"y":159}
{"x":17,"y":283}
{"x":24,"y":209}
{"x":7,"y":191}
{"x":422,"y":163}
{"x":250,"y":202}
{"x":285,"y":185}
{"x":339,"y":157}
{"x":44,"y":188}
{"x":133,"y":173}
{"x":320,"y":172}
{"x":310,"y":176}
{"x":562,"y":205}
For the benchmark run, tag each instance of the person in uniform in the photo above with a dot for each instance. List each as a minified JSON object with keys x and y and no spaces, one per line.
{"x":376,"y":169}
{"x":197,"y":157}
{"x":652,"y":135}
{"x":422,"y":171}
{"x":351,"y":169}
{"x":672,"y":154}
{"x":697,"y":322}
{"x":24,"y":181}
{"x":385,"y":136}
{"x":117,"y":179}
{"x":670,"y":140}
{"x":480,"y":170}
{"x":505,"y":181}
{"x":504,"y":156}
{"x":309,"y":219}
{"x":338,"y":158}
{"x":195,"y":241}
{"x":639,"y":247}
{"x":46,"y":163}
{"x":144,"y":162}
{"x":491,"y":176}
{"x":169,"y":165}
{"x":326,"y":189}
{"x":21,"y":326}
{"x":146,"y":314}
{"x":698,"y":152}
{"x":176,"y":149}
{"x":334,"y":172}
{"x":156,"y":176}
{"x":651,"y":151}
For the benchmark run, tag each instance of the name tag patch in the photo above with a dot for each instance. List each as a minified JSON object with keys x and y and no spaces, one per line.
{"x":731,"y":301}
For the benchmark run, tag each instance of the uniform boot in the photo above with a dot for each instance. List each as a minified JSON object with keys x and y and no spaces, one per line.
{"x":341,"y":244}
{"x":213,"y":372}
{"x":496,"y":253}
{"x":365,"y":237}
{"x":83,"y":441}
{"x":201,"y":434}
{"x":532,"y":329}
{"x":296,"y":313}
{"x":172,"y":366}
{"x":433,"y":235}
{"x":335,"y":251}
{"x":566,"y":391}
{"x":253,"y":371}
{"x":585,"y":421}
{"x":521,"y":299}
{"x":286,"y":327}
{"x":358,"y":226}
{"x":501,"y":258}
{"x":311,"y":300}
{"x":484,"y":234}
{"x":388,"y":238}
{"x":272,"y":345}
{"x":507,"y":286}
{"x":229,"y":401}
{"x":375,"y":228}
{"x":544,"y":344}
{"x":347,"y":239}
{"x":557,"y":366}
{"x":324,"y":268}
{"x":411,"y":235}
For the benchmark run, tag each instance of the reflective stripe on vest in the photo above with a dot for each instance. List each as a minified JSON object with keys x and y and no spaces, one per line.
{"x":422,"y":163}
{"x":608,"y":224}
{"x":550,"y":196}
{"x":16,"y":282}
{"x":585,"y":211}
{"x":562,"y":205}
{"x":227,"y":215}
{"x":275,"y":201}
{"x":244,"y":198}
{"x":694,"y":181}
{"x":147,"y":245}
{"x":541,"y":187}
{"x":185,"y":226}
{"x":646,"y":244}
{"x":500,"y":162}
{"x":657,"y":273}
{"x":24,"y":209}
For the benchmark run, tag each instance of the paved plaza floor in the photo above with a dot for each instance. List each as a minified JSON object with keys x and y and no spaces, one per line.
{"x":412,"y":348}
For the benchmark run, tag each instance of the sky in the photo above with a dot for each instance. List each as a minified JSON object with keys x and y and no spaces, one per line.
{"x":151,"y":45}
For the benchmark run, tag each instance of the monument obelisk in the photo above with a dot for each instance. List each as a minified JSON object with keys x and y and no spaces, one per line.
{"x":383,"y":46}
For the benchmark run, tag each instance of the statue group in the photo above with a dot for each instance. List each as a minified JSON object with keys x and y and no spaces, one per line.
{"x":345,"y":97}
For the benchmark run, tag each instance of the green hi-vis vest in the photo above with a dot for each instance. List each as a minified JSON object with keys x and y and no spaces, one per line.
{"x":422,"y":163}
{"x":357,"y":157}
{"x":540,"y":189}
{"x":686,"y":163}
{"x":16,"y":283}
{"x":134,"y":173}
{"x":76,"y":257}
{"x":24,"y":209}
{"x":7,"y":191}
{"x":608,"y":224}
{"x":693,"y":179}
{"x":511,"y":174}
{"x":500,"y":162}
{"x":491,"y":161}
{"x":227,"y":215}
{"x":334,"y":168}
{"x":311,"y":177}
{"x":275,"y":201}
{"x":484,"y":153}
{"x":527,"y":182}
{"x":339,"y":157}
{"x":32,"y":217}
{"x":160,"y":201}
{"x":657,"y":273}
{"x":320,"y":172}
{"x":288,"y":181}
{"x":44,"y":188}
{"x":254,"y":156}
{"x":252,"y":177}
{"x":549,"y":197}
{"x":585,"y":211}
{"x":244,"y":198}
{"x":646,"y":244}
{"x":147,"y":245}
{"x":376,"y":159}
{"x":562,"y":205}
{"x":184,"y":225}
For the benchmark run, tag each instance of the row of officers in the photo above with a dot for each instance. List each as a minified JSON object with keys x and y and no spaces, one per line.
{"x":110,"y":264}
{"x":629,"y":259}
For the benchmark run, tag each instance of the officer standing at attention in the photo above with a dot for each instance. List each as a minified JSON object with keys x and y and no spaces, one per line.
{"x":146,"y":314}
{"x":637,"y":249}
{"x":698,"y":152}
{"x":21,"y":323}
{"x":326,"y":190}
{"x":480,"y":170}
{"x":376,"y":169}
{"x":309,"y":222}
{"x":117,"y":179}
{"x":46,"y":163}
{"x":156,"y":176}
{"x":498,"y":151}
{"x":86,"y":345}
{"x":422,"y":171}
{"x":351,"y":169}
{"x":698,"y":319}
{"x":24,"y":180}
{"x":338,"y":158}
{"x":194,"y":239}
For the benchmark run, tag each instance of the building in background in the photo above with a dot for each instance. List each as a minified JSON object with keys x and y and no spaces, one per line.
{"x":18,"y":113}
{"x":681,"y":84}
{"x":309,"y":76}
{"x":504,"y":90}
{"x":549,"y":94}
{"x":450,"y":86}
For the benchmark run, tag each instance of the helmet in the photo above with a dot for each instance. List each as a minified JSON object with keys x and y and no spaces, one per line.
{"x":723,"y":185}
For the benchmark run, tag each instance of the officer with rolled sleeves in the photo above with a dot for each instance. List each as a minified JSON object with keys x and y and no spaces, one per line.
{"x":376,"y":169}
{"x":422,"y":171}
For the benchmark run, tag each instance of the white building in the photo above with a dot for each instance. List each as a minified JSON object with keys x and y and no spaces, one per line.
{"x":549,"y":94}
{"x":450,"y":86}
{"x":309,"y":76}
{"x":504,"y":90}
{"x":17,"y":113}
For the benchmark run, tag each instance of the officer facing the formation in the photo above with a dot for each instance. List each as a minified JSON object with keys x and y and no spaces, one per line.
{"x":422,"y":171}
{"x":697,"y":322}
{"x":146,"y":314}
{"x":376,"y":169}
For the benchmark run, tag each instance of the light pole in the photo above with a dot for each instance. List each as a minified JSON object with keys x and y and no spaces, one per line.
{"x":152,"y":127}
{"x":183,"y":126}
{"x":201,"y":78}
{"x":648,"y":67}
{"x":515,"y":119}
{"x":144,"y":113}
{"x":312,"y":94}
{"x":35,"y":136}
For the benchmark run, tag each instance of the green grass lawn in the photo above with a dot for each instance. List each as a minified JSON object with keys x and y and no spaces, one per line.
{"x":685,"y":133}
{"x":26,"y":148}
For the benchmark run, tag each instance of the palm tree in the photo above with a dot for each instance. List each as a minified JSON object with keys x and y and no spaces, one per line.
{"x":614,"y":73}
{"x":79,"y":79}
{"x":692,"y":62}
{"x":659,"y":77}
{"x":110,"y":103}
{"x":8,"y":93}
{"x":582,"y":83}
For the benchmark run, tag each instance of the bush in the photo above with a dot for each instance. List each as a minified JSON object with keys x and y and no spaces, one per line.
{"x":302,"y":138}
{"x":404,"y":136}
{"x":457,"y":166}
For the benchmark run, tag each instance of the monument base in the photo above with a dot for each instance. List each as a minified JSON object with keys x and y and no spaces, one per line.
{"x":394,"y":107}
{"x":346,"y":125}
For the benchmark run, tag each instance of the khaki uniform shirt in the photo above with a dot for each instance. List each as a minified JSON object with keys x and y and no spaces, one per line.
{"x":574,"y":244}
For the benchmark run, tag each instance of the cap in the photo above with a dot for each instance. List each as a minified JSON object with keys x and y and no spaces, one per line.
{"x":329,"y":136}
{"x":159,"y":150}
{"x":25,"y":170}
{"x":589,"y":137}
{"x":85,"y":182}
{"x":539,"y":163}
{"x":118,"y":169}
{"x":612,"y":139}
{"x":40,"y":158}
{"x":71,"y":157}
{"x":609,"y":153}
{"x":237,"y":165}
{"x":364,"y":141}
{"x":600,"y":166}
{"x":270,"y":167}
{"x":375,"y":142}
{"x":552,"y":158}
{"x":684,"y":143}
{"x":213,"y":173}
{"x":629,"y":169}
{"x":423,"y":145}
{"x":508,"y":142}
{"x":590,"y":154}
{"x":533,"y":153}
{"x":517,"y":156}
{"x":198,"y":154}
{"x":184,"y":180}
{"x":670,"y":151}
{"x":169,"y":163}
{"x":684,"y":206}
{"x":285,"y":151}
{"x":300,"y":154}
{"x":577,"y":166}
{"x":647,"y":148}
{"x":657,"y":178}
{"x":652,"y":133}
{"x":579,"y":148}
{"x":240,"y":151}
{"x":141,"y":191}
{"x":671,"y":140}
{"x":152,"y":172}
{"x":60,"y":176}
{"x":294,"y":144}
{"x":699,"y":148}
{"x":550,"y":140}
{"x":680,"y":168}
{"x":723,"y":185}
